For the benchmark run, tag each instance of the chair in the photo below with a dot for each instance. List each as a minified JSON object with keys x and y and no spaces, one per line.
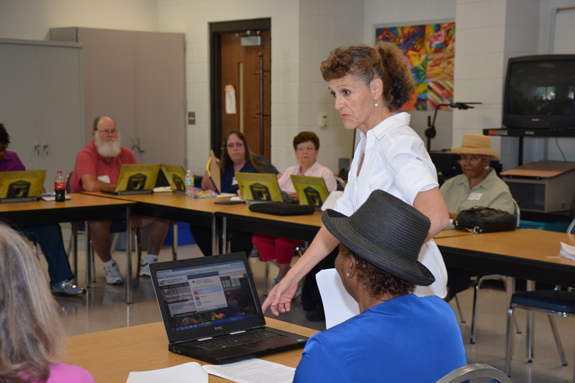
{"x":78,"y":228}
{"x":475,"y":371}
{"x":553,"y":303}
{"x":479,"y":279}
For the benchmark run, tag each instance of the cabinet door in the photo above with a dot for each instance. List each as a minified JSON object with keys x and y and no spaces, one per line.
{"x":60,"y":122}
{"x":159,"y":91}
{"x":108,"y":72}
{"x":19,"y":100}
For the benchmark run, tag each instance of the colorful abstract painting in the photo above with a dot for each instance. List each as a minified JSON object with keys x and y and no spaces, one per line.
{"x":430,"y":50}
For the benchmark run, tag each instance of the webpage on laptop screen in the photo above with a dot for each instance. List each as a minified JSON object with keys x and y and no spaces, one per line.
{"x":206,"y":295}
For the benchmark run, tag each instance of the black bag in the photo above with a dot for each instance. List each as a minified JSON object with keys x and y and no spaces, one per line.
{"x":282,"y":208}
{"x":485,"y":220}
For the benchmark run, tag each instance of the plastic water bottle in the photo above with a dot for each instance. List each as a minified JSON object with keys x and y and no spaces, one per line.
{"x":189,"y":181}
{"x":60,"y":187}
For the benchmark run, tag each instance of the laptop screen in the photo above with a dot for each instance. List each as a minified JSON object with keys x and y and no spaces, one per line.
{"x":205,"y":299}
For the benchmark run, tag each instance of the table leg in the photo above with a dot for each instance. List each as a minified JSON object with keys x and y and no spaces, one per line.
{"x":89,"y":255}
{"x":530,"y":326}
{"x":75,"y":242}
{"x":215,"y":249}
{"x":225,"y":249}
{"x":175,"y":240}
{"x":129,"y":255}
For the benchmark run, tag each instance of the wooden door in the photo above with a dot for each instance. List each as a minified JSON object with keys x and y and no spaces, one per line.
{"x":247,"y":69}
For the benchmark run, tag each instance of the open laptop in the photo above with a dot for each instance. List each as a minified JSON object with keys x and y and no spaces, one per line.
{"x":259,"y":187}
{"x":172,"y":176}
{"x":21,"y":186}
{"x":211,"y":310}
{"x":136,"y":179}
{"x":310,"y":190}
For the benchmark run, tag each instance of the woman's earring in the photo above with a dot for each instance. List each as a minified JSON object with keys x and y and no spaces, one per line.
{"x":376,"y":104}
{"x":486,"y":167}
{"x":348,"y":275}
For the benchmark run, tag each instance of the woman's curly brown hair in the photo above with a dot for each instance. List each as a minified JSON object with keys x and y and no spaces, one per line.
{"x":377,"y":281}
{"x":385,"y":61}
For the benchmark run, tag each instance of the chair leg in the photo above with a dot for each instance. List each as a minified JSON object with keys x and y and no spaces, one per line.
{"x":557,"y":339}
{"x":472,"y":338}
{"x":459,"y":309}
{"x":508,"y":343}
{"x":136,"y":281}
{"x":266,"y":273}
{"x":114,"y":242}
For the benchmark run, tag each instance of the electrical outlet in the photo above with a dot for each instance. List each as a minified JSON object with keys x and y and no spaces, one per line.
{"x":191,"y":118}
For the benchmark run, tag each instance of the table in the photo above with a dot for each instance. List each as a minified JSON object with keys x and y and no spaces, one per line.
{"x":111,"y":355}
{"x":524,"y":253}
{"x":175,"y":207}
{"x":80,"y":208}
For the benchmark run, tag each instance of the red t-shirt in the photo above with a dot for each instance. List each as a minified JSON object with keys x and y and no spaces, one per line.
{"x":89,"y":161}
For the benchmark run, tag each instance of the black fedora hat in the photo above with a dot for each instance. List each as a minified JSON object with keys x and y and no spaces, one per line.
{"x":386,"y":232}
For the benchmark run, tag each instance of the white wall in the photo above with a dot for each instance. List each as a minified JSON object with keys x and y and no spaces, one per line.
{"x":324,"y":26}
{"x":413,"y":12}
{"x":31,"y":19}
{"x":193,"y":18}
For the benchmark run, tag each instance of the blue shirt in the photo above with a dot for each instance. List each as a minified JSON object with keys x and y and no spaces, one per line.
{"x":406,"y":339}
{"x":229,"y":174}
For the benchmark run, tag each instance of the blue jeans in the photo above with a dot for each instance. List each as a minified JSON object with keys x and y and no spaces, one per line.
{"x":50,"y":240}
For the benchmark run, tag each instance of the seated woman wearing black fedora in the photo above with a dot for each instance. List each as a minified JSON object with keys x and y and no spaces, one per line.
{"x":397,"y":337}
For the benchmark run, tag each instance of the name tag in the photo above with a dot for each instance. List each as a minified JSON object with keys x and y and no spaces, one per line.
{"x":234,"y":181}
{"x":105,"y":179}
{"x":475,"y":196}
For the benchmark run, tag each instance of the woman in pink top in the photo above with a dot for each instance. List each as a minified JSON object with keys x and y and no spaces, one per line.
{"x":280,"y":250}
{"x":30,"y":329}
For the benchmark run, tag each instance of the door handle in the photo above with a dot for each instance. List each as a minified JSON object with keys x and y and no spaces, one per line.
{"x":46,"y":148}
{"x":37,"y":148}
{"x":137,"y":145}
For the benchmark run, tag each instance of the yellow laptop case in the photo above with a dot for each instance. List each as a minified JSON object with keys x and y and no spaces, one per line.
{"x":310,"y":190}
{"x":259,"y":187}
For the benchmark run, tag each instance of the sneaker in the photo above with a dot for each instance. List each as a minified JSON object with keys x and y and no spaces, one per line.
{"x":145,"y":266}
{"x":113,"y":276}
{"x":66,"y":289}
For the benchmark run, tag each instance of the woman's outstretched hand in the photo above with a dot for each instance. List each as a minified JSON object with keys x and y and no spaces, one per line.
{"x":280,"y":297}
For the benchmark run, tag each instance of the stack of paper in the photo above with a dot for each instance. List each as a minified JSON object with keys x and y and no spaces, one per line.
{"x":567,"y":251}
{"x":246,"y":371}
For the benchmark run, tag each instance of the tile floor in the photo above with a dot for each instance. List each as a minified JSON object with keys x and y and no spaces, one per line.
{"x":104,"y":308}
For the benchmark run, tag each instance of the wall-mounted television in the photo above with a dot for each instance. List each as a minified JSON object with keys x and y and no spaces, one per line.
{"x":539,"y":92}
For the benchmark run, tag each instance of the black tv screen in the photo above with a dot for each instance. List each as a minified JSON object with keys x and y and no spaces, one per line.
{"x":539,"y":92}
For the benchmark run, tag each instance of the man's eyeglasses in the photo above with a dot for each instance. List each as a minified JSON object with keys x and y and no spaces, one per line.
{"x":308,"y":148}
{"x":237,"y":145}
{"x":108,"y":132}
{"x":473,"y":159}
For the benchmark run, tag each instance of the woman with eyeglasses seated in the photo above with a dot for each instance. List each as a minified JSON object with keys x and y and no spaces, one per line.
{"x":31,"y":333}
{"x":398,"y":336}
{"x":479,"y":185}
{"x":236,"y":158}
{"x":280,"y":250}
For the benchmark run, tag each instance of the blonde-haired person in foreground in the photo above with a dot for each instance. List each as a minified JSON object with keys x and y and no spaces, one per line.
{"x":30,"y":329}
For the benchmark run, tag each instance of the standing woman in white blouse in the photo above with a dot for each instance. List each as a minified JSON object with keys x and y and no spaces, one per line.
{"x":367,"y":85}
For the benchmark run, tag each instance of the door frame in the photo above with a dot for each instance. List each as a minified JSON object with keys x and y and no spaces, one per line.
{"x":216,"y":29}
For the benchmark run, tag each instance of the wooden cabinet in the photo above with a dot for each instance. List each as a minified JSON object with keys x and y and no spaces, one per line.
{"x":138,"y":79}
{"x":41,"y":103}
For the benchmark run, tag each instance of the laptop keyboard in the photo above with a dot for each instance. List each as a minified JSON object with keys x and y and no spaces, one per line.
{"x":232,"y":340}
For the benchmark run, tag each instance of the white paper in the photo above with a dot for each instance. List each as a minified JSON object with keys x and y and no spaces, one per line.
{"x":163,"y":189}
{"x":225,"y":195}
{"x":105,"y":179}
{"x":567,"y":251}
{"x":252,"y":371}
{"x":184,"y":373}
{"x":338,"y":305}
{"x":52,"y":196}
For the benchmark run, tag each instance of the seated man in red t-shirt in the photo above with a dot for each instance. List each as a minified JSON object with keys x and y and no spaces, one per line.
{"x":97,"y":168}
